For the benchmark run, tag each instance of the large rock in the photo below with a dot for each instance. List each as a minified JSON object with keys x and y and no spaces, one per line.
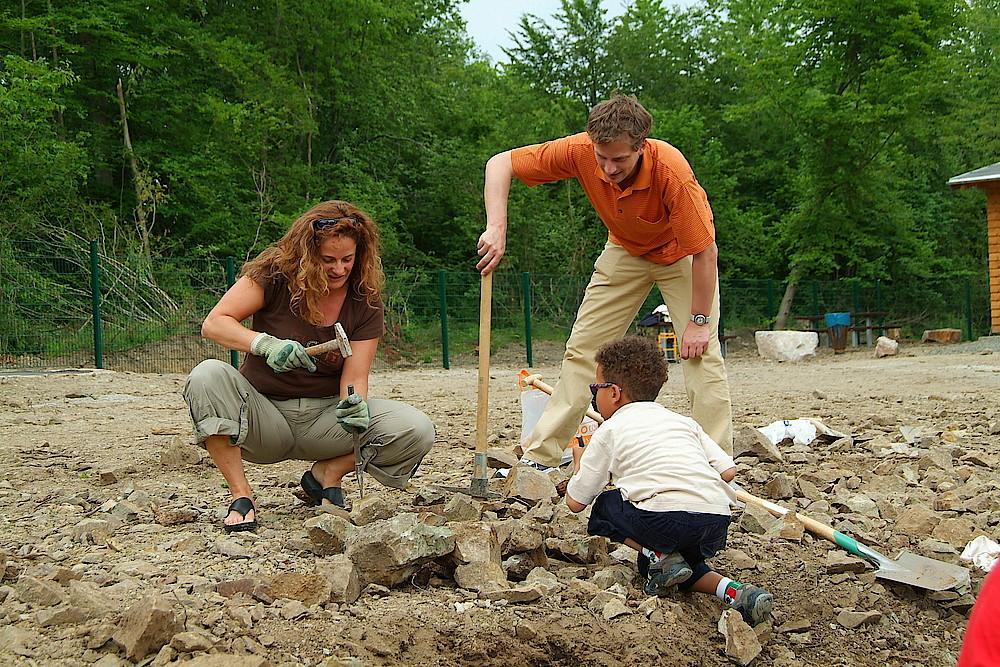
{"x":742,"y":645}
{"x":529,"y":485}
{"x":522,"y":536}
{"x":342,"y":576}
{"x":146,"y":626}
{"x":462,"y":508}
{"x":854,"y":619}
{"x":751,"y":442}
{"x":757,"y":520}
{"x":328,"y":533}
{"x":39,"y":592}
{"x":477,"y":557}
{"x":500,"y":458}
{"x":955,"y":531}
{"x":786,"y":345}
{"x":520,"y":565}
{"x":945,"y":336}
{"x":885,"y":347}
{"x":780,"y":487}
{"x":388,"y":552}
{"x":190,"y":642}
{"x":917,"y":521}
{"x":309,"y":589}
{"x":593,"y":549}
{"x":839,"y":562}
{"x":859,"y":503}
{"x":94,"y":531}
{"x":372,"y":508}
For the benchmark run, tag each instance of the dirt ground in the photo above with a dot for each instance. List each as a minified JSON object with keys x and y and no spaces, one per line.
{"x":78,"y":445}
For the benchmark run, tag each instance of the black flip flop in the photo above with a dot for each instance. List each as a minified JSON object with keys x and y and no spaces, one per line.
{"x":243,"y":506}
{"x":317,"y":494}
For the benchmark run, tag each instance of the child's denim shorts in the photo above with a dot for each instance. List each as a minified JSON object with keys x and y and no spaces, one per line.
{"x":694,"y":535}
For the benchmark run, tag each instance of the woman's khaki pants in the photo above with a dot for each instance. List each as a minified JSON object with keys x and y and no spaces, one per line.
{"x":223,"y":402}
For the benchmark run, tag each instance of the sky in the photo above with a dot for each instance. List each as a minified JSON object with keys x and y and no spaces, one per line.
{"x":490,"y":20}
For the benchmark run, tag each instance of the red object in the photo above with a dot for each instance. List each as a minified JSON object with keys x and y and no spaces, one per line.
{"x":981,"y":647}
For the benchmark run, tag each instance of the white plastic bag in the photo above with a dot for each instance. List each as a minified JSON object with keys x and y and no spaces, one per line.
{"x":533,"y":402}
{"x":982,"y":552}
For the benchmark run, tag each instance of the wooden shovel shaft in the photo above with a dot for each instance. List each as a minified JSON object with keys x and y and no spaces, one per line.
{"x":483,"y":386}
{"x":812,"y":525}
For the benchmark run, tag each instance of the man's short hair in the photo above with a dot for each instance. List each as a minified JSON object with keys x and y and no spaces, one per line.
{"x":622,"y":114}
{"x":635,"y":364}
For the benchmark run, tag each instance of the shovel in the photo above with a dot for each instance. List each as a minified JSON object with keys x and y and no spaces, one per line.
{"x":909,"y":568}
{"x":480,"y":478}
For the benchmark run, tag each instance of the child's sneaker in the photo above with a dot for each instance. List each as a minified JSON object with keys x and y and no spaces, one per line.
{"x":754,"y":604}
{"x":667,"y":572}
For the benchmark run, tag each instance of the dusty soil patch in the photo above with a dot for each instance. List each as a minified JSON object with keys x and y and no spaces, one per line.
{"x":59,"y":433}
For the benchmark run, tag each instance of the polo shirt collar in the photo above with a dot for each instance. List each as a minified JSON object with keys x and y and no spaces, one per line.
{"x":642,"y":179}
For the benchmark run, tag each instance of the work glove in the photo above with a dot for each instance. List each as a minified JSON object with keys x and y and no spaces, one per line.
{"x":352,"y":414}
{"x":282,"y":355}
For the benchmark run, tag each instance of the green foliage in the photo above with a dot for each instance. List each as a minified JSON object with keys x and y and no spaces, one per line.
{"x":823,"y":131}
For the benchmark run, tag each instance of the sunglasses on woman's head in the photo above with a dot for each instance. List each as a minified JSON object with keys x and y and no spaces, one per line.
{"x":323,"y":223}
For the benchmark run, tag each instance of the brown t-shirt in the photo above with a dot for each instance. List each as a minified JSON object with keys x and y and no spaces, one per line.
{"x":361,"y":321}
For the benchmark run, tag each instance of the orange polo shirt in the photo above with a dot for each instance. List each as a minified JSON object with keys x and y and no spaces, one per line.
{"x":662,"y":216}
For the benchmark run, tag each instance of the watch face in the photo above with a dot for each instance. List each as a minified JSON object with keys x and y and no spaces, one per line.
{"x":700,"y":320}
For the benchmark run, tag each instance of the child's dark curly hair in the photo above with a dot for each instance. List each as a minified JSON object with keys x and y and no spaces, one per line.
{"x":636,"y":365}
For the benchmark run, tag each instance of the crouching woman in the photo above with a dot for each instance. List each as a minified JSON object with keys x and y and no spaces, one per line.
{"x":284,"y":404}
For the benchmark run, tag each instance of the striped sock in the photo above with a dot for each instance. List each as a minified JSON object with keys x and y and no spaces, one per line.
{"x":727,"y":590}
{"x":653,"y":556}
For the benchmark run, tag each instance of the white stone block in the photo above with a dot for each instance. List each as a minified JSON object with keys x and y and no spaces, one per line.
{"x":786,"y":345}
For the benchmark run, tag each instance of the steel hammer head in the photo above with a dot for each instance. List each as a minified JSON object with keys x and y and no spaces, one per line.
{"x":342,"y":342}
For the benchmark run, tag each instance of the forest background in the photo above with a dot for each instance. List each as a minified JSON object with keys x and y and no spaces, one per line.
{"x":823,"y":130}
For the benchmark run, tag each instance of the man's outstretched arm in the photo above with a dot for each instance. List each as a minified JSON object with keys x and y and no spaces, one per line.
{"x":493,"y":241}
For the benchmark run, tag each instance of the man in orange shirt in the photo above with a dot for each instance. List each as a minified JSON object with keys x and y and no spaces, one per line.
{"x":660,"y":230}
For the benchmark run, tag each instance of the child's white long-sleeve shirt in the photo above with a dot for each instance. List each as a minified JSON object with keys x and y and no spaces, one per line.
{"x":660,"y":460}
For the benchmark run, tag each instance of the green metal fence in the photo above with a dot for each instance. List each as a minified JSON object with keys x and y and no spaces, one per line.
{"x":148,"y":314}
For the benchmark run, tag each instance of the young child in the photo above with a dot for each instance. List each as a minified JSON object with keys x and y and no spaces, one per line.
{"x":672,"y":498}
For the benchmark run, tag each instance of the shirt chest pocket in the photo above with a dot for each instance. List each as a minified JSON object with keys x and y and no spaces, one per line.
{"x":652,"y":221}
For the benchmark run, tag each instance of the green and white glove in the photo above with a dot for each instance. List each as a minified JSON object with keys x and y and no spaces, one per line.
{"x":352,"y":414}
{"x":282,"y":355}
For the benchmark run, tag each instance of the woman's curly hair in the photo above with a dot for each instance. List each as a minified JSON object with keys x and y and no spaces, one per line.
{"x":295,"y":256}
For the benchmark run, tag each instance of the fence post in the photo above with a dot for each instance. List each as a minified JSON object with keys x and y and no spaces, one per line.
{"x":526,"y":289}
{"x":878,"y":294}
{"x":968,"y":308}
{"x":95,"y":302}
{"x":443,"y":306}
{"x":234,"y":356}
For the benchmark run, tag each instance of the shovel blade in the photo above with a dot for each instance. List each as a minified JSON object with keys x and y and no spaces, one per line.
{"x":923,"y":572}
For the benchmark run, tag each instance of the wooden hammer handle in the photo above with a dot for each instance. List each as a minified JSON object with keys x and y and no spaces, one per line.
{"x":322,"y":348}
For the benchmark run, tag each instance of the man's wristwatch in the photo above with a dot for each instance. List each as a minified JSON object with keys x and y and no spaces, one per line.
{"x":700,"y":320}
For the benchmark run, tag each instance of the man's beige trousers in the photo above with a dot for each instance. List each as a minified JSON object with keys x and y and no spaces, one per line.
{"x":616,"y":291}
